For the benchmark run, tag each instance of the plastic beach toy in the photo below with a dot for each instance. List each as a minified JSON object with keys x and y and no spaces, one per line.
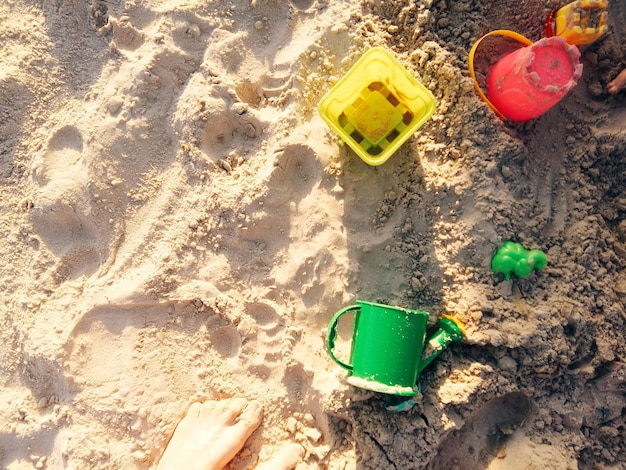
{"x":527,"y":82}
{"x":388,"y":353}
{"x":573,"y":22}
{"x":512,"y":258}
{"x":450,"y":330}
{"x":377,"y":106}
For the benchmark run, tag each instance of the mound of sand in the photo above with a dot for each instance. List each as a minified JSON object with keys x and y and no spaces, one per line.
{"x":179,"y":223}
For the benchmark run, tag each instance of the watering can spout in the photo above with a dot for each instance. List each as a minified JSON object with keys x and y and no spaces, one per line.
{"x":450,"y":331}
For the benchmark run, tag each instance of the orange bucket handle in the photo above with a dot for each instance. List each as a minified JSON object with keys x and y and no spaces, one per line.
{"x":499,"y":32}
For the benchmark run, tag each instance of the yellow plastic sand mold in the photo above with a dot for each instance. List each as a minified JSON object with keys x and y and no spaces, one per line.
{"x":574,"y":21}
{"x":377,"y":106}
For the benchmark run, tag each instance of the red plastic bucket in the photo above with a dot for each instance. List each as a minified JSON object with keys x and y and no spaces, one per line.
{"x":527,"y":82}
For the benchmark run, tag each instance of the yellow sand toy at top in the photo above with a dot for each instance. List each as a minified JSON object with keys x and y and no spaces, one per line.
{"x":574,"y":21}
{"x":376,"y":106}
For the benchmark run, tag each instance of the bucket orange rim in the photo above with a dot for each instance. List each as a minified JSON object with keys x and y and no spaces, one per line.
{"x":499,"y":32}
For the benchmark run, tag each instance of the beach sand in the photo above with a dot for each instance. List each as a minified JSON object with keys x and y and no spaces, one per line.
{"x":178,"y":223}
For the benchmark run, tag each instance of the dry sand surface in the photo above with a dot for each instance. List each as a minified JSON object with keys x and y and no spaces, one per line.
{"x":178,"y":223}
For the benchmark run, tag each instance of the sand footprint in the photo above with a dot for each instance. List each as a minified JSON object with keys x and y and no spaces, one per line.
{"x":62,"y":158}
{"x":271,"y":86}
{"x":130,"y":349}
{"x":266,"y":352}
{"x":61,"y":213}
{"x":297,"y":171}
{"x":226,"y":341}
{"x":478,"y":441}
{"x":302,"y":4}
{"x":297,"y":379}
{"x":251,"y":341}
{"x":265,"y":316}
{"x":229,"y":123}
{"x":45,"y":379}
{"x":127,"y":368}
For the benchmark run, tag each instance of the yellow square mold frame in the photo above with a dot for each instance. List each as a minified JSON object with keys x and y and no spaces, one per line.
{"x":377,"y":106}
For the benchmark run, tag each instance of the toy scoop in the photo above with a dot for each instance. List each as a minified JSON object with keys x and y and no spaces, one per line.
{"x":573,"y":22}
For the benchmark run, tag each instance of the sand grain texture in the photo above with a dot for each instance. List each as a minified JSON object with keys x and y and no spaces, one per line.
{"x":179,"y":223}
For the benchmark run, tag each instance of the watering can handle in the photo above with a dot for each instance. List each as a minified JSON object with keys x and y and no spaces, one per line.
{"x":332,"y":334}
